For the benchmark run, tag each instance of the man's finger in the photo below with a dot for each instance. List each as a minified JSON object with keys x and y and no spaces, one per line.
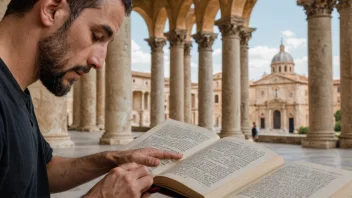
{"x":165,"y":155}
{"x":145,"y":183}
{"x":129,"y":166}
{"x":140,"y":172}
{"x":146,"y":195}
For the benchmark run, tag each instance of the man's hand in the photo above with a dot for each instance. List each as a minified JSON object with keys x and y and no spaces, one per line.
{"x":146,"y":156}
{"x":126,"y":181}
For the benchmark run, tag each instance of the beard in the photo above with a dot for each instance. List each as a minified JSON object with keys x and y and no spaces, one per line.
{"x":51,"y":61}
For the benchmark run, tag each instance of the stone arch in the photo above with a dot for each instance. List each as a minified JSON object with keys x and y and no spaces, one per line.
{"x":206,"y":19}
{"x":160,"y":21}
{"x":190,"y":21}
{"x":182,"y":14}
{"x":247,"y":11}
{"x":146,"y":18}
{"x":237,"y":7}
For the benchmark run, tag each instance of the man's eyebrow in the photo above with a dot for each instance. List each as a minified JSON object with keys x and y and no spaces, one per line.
{"x":108,"y":30}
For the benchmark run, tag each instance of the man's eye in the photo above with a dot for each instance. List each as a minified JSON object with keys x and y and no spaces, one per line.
{"x":95,"y":38}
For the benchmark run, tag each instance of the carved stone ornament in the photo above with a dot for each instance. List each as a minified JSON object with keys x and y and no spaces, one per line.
{"x":342,"y":4}
{"x":317,"y":7}
{"x":231,"y":26}
{"x":156,"y":44}
{"x":246,"y":35}
{"x":205,"y":40}
{"x":176,"y":37}
{"x":188,"y":47}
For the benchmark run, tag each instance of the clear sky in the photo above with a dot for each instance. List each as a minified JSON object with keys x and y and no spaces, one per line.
{"x":274,"y":19}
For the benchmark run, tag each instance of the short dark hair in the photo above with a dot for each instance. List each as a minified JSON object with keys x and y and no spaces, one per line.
{"x":20,"y":7}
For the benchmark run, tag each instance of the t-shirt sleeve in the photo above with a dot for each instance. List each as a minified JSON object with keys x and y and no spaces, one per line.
{"x":2,"y":136}
{"x":48,"y":151}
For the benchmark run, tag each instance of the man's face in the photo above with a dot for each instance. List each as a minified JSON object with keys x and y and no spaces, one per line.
{"x":67,"y":55}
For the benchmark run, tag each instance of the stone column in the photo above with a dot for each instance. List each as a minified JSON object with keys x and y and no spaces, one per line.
{"x":176,"y":39}
{"x":246,"y":35}
{"x":231,"y":76}
{"x":88,"y":93}
{"x":141,"y":118}
{"x":345,"y":10}
{"x":270,"y":125}
{"x":118,"y":98}
{"x":76,"y":106}
{"x":284,"y":118}
{"x":188,"y":82}
{"x":205,"y":42}
{"x":51,"y":114}
{"x":157,"y":110}
{"x":320,"y":84}
{"x":101,"y":98}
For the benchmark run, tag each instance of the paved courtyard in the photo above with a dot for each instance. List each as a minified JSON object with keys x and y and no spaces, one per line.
{"x":87,"y":143}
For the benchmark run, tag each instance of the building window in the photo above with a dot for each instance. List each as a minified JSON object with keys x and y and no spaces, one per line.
{"x":338,"y":89}
{"x":216,"y":99}
{"x":279,"y":69}
{"x":290,"y":69}
{"x":285,"y":68}
{"x":146,"y":82}
{"x":291,"y":95}
{"x":134,"y":80}
{"x":263,"y":93}
{"x":276,"y":93}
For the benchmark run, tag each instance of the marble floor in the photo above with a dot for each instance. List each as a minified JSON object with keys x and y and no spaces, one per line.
{"x":87,"y":143}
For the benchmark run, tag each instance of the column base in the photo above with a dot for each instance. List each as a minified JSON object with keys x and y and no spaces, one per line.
{"x":101,"y":127}
{"x":345,"y":143}
{"x":90,"y":129}
{"x":115,"y":140}
{"x":237,"y":134}
{"x":247,"y":133}
{"x":74,"y":127}
{"x":319,"y":144}
{"x":60,"y":142}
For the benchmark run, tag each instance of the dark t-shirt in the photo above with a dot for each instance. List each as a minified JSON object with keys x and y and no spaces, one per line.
{"x":24,"y":152}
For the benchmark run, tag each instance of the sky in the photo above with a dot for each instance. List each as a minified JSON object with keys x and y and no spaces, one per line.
{"x":273,"y":19}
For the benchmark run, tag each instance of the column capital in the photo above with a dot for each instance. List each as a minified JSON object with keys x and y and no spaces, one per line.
{"x":156,"y":44}
{"x":176,"y":37}
{"x":230,"y":26}
{"x":188,"y":47}
{"x":205,"y":40}
{"x":317,"y":8}
{"x":342,"y":4}
{"x":246,"y":35}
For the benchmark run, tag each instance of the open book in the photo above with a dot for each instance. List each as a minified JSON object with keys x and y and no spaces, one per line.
{"x":235,"y":168}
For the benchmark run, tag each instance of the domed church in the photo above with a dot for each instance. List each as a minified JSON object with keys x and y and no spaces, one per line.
{"x":279,"y":101}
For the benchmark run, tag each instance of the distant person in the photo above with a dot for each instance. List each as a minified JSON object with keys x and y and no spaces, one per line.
{"x":254,"y":132}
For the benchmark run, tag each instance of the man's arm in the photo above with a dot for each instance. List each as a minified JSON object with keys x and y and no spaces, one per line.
{"x":67,"y":173}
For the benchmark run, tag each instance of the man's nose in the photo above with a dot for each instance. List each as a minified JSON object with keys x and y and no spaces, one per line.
{"x":97,"y":59}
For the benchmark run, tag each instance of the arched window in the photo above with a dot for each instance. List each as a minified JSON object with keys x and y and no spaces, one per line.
{"x":285,"y":68}
{"x":280,"y":69}
{"x":216,"y":99}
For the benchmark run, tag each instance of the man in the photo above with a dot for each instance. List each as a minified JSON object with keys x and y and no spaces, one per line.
{"x":58,"y":41}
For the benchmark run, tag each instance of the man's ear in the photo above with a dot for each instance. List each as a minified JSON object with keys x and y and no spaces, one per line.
{"x":54,"y":12}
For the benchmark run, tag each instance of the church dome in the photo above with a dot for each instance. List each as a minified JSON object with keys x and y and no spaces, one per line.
{"x":282,"y":56}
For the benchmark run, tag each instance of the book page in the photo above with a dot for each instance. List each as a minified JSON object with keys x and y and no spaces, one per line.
{"x":174,"y":136}
{"x":300,"y":179}
{"x":219,"y":165}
